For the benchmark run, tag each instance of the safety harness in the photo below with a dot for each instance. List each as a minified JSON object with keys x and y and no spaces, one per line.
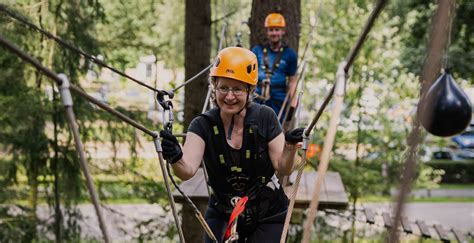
{"x":265,"y":84}
{"x":248,"y":171}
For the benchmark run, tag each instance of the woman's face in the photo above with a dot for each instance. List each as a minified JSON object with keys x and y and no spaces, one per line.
{"x":231,"y":95}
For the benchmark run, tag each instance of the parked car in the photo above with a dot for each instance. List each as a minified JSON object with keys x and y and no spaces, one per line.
{"x":465,"y":143}
{"x":465,"y":140}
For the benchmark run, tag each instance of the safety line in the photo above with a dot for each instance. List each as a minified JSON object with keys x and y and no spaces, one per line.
{"x":192,"y":78}
{"x":197,"y":213}
{"x":223,"y":31}
{"x":370,"y":22}
{"x":76,"y":89}
{"x":60,"y":41}
{"x":301,"y":65}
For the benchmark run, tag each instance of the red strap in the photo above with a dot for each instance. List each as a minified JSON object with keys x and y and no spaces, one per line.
{"x":238,"y":209}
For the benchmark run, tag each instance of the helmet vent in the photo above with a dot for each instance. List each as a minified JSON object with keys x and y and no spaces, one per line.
{"x":254,"y":67}
{"x":249,"y":68}
{"x":218,"y":61}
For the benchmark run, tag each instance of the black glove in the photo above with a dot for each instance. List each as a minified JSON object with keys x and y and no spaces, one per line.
{"x":294,"y":136}
{"x":171,"y":149}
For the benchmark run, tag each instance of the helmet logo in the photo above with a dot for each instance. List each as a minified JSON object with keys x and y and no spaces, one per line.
{"x":229,"y":71}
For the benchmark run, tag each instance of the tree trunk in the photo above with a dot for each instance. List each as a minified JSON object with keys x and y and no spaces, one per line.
{"x":290,"y":9}
{"x":197,"y":54}
{"x":197,"y":51}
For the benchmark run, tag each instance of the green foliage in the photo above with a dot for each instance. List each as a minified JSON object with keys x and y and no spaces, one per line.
{"x":133,"y":29}
{"x":454,"y":171}
{"x":380,"y":97}
{"x":35,"y":137}
{"x":415,"y":29}
{"x":38,"y":157}
{"x":16,"y":224}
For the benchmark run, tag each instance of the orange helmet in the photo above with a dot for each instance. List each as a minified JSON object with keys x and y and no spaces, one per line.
{"x":236,"y":63}
{"x":275,"y":20}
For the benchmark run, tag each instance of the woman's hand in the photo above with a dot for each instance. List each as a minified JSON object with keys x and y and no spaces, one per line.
{"x":171,"y":149}
{"x":294,"y":136}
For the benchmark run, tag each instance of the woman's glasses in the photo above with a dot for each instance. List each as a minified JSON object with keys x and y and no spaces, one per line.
{"x":236,"y":91}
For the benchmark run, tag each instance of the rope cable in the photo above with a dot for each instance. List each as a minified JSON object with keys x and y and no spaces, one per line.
{"x":448,"y":44}
{"x":223,"y":31}
{"x":69,"y":46}
{"x":301,"y":64}
{"x":188,"y":200}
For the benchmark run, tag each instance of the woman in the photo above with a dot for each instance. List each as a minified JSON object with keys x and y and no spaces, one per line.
{"x":243,"y":145}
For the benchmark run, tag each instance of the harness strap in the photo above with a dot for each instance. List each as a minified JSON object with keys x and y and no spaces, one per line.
{"x":265,"y":86}
{"x":238,"y":209}
{"x":276,"y":62}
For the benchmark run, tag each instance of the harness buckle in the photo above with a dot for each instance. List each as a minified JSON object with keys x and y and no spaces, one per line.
{"x":234,"y":200}
{"x":265,"y":87}
{"x":273,"y":183}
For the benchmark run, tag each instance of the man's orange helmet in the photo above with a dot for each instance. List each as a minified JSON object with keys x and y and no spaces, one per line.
{"x":236,"y":63}
{"x":275,"y":20}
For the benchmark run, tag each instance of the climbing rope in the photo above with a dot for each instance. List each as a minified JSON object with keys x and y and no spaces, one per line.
{"x":299,"y":107}
{"x":71,"y":119}
{"x":99,"y":62}
{"x":219,"y":47}
{"x":196,"y":211}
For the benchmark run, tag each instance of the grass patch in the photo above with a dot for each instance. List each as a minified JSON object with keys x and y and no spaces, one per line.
{"x":123,"y":201}
{"x":456,"y":186}
{"x":376,"y":199}
{"x":442,"y":199}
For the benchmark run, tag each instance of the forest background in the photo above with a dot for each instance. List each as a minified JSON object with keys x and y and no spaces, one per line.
{"x":38,"y":161}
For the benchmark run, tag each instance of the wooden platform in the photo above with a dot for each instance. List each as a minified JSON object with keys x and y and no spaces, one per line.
{"x":333,"y":195}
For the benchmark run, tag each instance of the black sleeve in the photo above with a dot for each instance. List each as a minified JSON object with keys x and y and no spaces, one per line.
{"x":200,"y":126}
{"x":271,"y":125}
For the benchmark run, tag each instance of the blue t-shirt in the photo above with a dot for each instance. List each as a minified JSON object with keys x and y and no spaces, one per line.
{"x":287,"y":67}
